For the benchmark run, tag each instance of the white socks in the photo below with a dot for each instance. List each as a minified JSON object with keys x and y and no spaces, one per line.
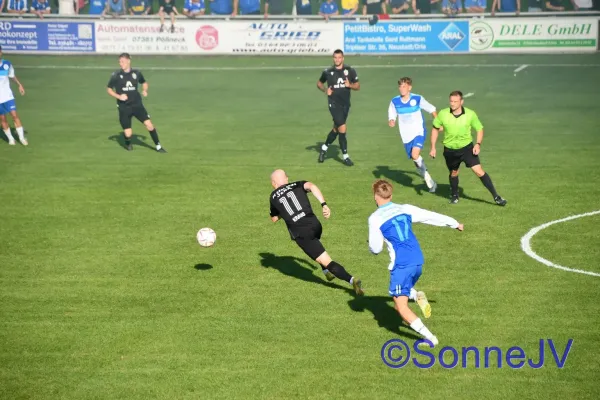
{"x":324,"y":147}
{"x":420,"y":164}
{"x":345,"y":156}
{"x":21,"y":133}
{"x":420,"y":328}
{"x":413,"y":295}
{"x":9,"y":135}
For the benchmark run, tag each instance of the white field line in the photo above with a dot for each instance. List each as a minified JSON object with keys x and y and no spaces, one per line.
{"x":526,"y":244}
{"x":521,"y":68}
{"x":291,"y":68}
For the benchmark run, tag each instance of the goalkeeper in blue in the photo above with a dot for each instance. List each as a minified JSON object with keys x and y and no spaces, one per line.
{"x":406,"y":109}
{"x":391,"y":224}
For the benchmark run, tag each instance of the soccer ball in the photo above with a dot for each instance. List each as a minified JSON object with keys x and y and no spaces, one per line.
{"x":206,"y":237}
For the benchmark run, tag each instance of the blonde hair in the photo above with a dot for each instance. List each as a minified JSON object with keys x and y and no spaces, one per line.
{"x":383,"y":189}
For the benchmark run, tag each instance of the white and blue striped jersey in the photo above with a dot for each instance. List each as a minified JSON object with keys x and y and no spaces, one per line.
{"x":392,"y":223}
{"x":410,"y":119}
{"x":16,"y":5}
{"x":6,"y":72}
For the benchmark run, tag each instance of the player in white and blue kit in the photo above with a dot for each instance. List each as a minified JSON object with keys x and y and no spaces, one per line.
{"x":406,"y":109}
{"x":7,"y":101}
{"x":391,"y":224}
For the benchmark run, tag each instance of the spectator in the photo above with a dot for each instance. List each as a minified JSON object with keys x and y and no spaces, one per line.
{"x":114,"y":8}
{"x":274,"y":7}
{"x":399,"y":6}
{"x":167,"y":7}
{"x":193,"y":8}
{"x":535,"y":6}
{"x":476,"y":6}
{"x":15,"y":6}
{"x":246,"y":7}
{"x":328,"y":8}
{"x":221,"y":7}
{"x":423,"y":6}
{"x":451,"y":7}
{"x":97,"y":7}
{"x":349,"y":7}
{"x":139,"y":7}
{"x":506,"y":6}
{"x":582,"y":5}
{"x":373,"y":7}
{"x":40,"y":7}
{"x":303,"y":7}
{"x":554,"y":5}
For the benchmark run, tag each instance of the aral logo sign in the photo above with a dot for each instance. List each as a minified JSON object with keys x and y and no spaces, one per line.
{"x":451,"y":36}
{"x":531,"y":35}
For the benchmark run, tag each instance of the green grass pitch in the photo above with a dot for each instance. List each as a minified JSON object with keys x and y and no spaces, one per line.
{"x":105,"y":293}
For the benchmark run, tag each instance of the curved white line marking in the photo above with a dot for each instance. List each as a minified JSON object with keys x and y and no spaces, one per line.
{"x":526,"y":246}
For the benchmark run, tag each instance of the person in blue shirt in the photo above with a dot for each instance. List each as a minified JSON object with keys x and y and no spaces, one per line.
{"x":40,"y":7}
{"x":15,"y":6}
{"x":475,"y":6}
{"x":511,"y":6}
{"x":303,"y":7}
{"x":391,"y":224}
{"x":328,"y":9}
{"x":221,"y":7}
{"x":246,"y":7}
{"x":114,"y":8}
{"x":97,"y":7}
{"x":192,"y":8}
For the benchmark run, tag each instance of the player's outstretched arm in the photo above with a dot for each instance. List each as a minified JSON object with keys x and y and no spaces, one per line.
{"x":311,"y":187}
{"x":432,"y":218}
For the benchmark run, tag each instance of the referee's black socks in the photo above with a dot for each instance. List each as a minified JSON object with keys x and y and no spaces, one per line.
{"x":454,"y":185}
{"x":487,"y":182}
{"x":338,"y":271}
{"x":127,"y":140}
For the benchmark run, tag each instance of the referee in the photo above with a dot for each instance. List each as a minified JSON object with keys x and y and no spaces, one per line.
{"x":457,"y":122}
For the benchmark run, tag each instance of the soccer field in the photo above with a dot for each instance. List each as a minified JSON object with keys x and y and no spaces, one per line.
{"x":105,"y":293}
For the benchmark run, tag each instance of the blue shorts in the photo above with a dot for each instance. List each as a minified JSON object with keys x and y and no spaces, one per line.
{"x":418,"y":141}
{"x":7,"y":107}
{"x":402,"y":279}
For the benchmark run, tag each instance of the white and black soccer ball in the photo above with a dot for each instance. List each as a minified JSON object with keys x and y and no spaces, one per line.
{"x":206,"y":237}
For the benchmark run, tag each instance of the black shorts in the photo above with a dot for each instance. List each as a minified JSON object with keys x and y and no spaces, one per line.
{"x":309,"y":240}
{"x":455,"y":157}
{"x":339,"y":113}
{"x":126,"y":112}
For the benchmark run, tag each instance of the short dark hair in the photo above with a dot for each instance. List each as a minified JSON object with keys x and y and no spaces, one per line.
{"x":457,"y":93}
{"x":338,"y":51}
{"x":406,"y":80}
{"x":125,"y":55}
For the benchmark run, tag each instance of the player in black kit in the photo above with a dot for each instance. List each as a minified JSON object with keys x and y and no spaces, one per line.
{"x":123,"y":86}
{"x":340,"y":80}
{"x":290,"y":202}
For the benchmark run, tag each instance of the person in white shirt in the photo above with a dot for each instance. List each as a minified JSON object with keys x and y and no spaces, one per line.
{"x":7,"y":101}
{"x":406,"y":109}
{"x":582,"y":5}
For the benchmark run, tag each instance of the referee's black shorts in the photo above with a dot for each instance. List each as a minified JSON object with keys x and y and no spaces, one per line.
{"x":309,"y":240}
{"x":339,"y":113}
{"x":126,"y":112}
{"x":454,"y":157}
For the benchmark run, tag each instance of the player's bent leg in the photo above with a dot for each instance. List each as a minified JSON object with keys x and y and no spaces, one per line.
{"x":6,"y":129}
{"x":324,"y":260}
{"x":415,"y":155}
{"x":340,"y":272}
{"x":401,"y":303}
{"x":153,"y":134}
{"x":19,"y":127}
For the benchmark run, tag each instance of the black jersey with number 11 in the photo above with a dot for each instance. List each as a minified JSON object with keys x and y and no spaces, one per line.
{"x":291,"y":203}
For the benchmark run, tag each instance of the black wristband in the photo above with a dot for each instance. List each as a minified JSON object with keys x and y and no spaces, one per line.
{"x":479,"y":144}
{"x":323,"y":204}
